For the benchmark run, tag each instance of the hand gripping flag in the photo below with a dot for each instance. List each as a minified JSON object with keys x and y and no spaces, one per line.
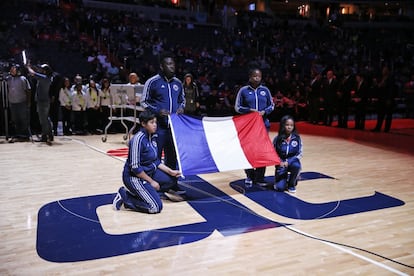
{"x":217,"y":144}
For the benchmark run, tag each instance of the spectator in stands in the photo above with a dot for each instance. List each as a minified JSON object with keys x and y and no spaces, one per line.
{"x":301,"y":106}
{"x":19,"y":95}
{"x":192,"y":96}
{"x":409,"y":96}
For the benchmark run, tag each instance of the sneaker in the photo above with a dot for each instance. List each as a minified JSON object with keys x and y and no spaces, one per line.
{"x":177,"y":190}
{"x":276,"y":188}
{"x":48,"y":142}
{"x":292,"y":189}
{"x":262,"y":183}
{"x":171,"y":195}
{"x":248,"y":182}
{"x":117,"y":202}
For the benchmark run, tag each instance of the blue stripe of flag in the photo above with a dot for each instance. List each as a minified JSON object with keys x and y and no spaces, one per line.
{"x":195,"y":156}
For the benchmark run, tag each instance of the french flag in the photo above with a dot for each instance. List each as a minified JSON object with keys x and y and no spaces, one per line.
{"x":218,"y":144}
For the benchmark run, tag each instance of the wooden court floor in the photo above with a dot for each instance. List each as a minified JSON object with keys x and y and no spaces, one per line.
{"x":359,"y":220}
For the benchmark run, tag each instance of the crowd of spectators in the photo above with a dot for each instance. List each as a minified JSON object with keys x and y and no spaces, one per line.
{"x":113,"y":44}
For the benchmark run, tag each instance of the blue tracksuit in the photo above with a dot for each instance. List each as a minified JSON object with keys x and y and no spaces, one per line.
{"x":289,"y":150}
{"x":160,"y":93}
{"x":259,"y":99}
{"x":142,"y":156}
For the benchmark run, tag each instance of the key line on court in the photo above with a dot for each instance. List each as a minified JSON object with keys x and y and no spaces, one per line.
{"x":336,"y":245}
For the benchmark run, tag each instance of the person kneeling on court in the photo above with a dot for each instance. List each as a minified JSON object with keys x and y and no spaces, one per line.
{"x":288,"y":146}
{"x":145,"y":177}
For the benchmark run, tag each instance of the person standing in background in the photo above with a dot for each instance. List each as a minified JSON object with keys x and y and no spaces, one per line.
{"x":386,"y":103}
{"x":19,"y":95}
{"x":255,"y":97}
{"x":92,"y":107}
{"x":330,"y":88}
{"x":343,"y":97}
{"x":314,"y":98}
{"x":360,"y":100}
{"x":65,"y":99}
{"x":192,"y":96}
{"x":78,"y":109}
{"x":106,"y":103}
{"x":44,"y":77}
{"x":55,"y":87}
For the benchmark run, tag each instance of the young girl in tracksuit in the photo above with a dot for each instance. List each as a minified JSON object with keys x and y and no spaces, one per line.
{"x":255,"y":97}
{"x":288,"y":145}
{"x":146,"y":179}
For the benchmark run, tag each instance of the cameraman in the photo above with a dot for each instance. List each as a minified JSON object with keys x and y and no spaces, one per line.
{"x":19,"y":95}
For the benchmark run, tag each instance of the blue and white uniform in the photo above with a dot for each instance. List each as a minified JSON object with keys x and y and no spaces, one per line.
{"x":159,"y":94}
{"x":289,"y":149}
{"x":143,"y":157}
{"x":259,"y":99}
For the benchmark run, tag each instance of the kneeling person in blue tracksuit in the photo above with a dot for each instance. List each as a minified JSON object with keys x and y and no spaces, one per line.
{"x":288,"y":145}
{"x":145,"y":177}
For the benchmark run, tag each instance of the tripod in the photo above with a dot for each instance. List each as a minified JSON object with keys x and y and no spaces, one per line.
{"x":5,"y":107}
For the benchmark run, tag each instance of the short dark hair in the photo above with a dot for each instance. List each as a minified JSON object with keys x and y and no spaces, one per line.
{"x":146,"y":116}
{"x":165,"y":55}
{"x":252,"y":70}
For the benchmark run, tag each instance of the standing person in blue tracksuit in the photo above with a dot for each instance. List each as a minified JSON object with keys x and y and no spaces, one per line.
{"x":163,"y":94}
{"x":145,"y":177}
{"x":288,"y":145}
{"x":255,"y":97}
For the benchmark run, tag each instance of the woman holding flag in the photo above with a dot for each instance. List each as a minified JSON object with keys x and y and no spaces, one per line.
{"x":145,"y":177}
{"x":255,"y":97}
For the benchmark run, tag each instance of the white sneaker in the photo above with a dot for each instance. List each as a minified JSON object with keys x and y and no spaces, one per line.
{"x":117,"y":202}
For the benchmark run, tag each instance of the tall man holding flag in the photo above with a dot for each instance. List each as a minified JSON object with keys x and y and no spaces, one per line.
{"x":163,"y":94}
{"x":255,"y":97}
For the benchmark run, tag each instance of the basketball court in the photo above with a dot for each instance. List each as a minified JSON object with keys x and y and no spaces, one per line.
{"x":352,"y":212}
